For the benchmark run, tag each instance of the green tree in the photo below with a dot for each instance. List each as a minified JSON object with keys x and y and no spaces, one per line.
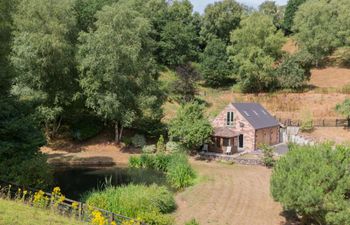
{"x":268,"y":154}
{"x":44,"y":55}
{"x":344,"y":108}
{"x":220,"y":18}
{"x":178,"y":38}
{"x":184,"y":86}
{"x":118,"y":80}
{"x":255,"y":47}
{"x":291,"y":9}
{"x":20,"y":138}
{"x":214,"y":63}
{"x":322,"y":26}
{"x":294,"y":71}
{"x":271,"y":9}
{"x":190,"y":126}
{"x":314,"y":182}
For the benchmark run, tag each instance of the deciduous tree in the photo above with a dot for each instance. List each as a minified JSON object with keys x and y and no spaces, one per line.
{"x":191,"y":126}
{"x":117,"y":67}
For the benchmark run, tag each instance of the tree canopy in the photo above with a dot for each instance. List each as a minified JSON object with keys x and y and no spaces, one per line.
{"x":190,"y":126}
{"x":314,"y":182}
{"x":254,"y":48}
{"x":117,"y":66}
{"x":291,"y":8}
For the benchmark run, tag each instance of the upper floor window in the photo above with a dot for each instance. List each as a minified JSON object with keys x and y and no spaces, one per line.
{"x":230,"y":119}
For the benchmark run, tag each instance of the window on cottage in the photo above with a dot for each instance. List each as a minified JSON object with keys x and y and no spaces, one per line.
{"x":229,"y":118}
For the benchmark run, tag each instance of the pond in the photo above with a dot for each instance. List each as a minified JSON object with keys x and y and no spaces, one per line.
{"x":75,"y":182}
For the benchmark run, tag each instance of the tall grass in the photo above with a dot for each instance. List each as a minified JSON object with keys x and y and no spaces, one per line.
{"x":148,"y":203}
{"x":179,"y":172}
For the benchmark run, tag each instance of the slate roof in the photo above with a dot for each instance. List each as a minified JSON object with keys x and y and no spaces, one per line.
{"x":224,"y":132}
{"x":256,"y":115}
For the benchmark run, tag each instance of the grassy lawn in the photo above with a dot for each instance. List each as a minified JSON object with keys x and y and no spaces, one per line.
{"x":13,"y":213}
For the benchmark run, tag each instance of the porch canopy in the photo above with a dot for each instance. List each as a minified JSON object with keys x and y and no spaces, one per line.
{"x":224,"y":132}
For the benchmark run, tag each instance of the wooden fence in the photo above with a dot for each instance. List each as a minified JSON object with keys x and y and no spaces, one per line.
{"x":317,"y":123}
{"x":67,"y":207}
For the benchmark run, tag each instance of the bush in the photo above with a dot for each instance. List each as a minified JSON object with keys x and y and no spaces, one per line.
{"x":127,"y":141}
{"x":149,"y":149}
{"x":268,"y":159}
{"x":135,"y":162}
{"x":161,"y":144}
{"x":180,"y":173}
{"x":307,"y":123}
{"x":341,"y":56}
{"x":174,"y":147}
{"x":138,"y":140}
{"x":192,"y":222}
{"x":136,"y":201}
{"x":86,"y":127}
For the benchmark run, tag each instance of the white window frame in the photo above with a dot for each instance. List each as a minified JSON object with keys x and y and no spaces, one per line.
{"x":230,"y":118}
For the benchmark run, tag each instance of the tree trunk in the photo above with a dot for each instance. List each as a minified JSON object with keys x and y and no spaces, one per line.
{"x":116,"y":129}
{"x":118,"y":132}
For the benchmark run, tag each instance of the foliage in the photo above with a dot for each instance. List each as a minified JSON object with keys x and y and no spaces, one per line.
{"x":314,"y":182}
{"x":178,"y":38}
{"x":290,"y":73}
{"x":149,"y":149}
{"x":174,"y":147}
{"x":43,"y":55}
{"x":276,"y":12}
{"x":136,"y":201}
{"x":321,"y":26}
{"x":256,"y":45}
{"x":192,"y":222}
{"x":179,"y":172}
{"x":214,"y":64}
{"x":220,"y":18}
{"x":161,"y":144}
{"x":138,"y":140}
{"x":85,"y":127}
{"x":268,"y":153}
{"x":344,"y":108}
{"x":118,"y":82}
{"x":291,"y":8}
{"x":341,"y":56}
{"x":184,"y":86}
{"x":190,"y":126}
{"x":307,"y":122}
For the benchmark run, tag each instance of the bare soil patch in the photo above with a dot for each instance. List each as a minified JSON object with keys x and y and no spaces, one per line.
{"x":231,"y":194}
{"x":95,"y":152}
{"x":290,"y":46}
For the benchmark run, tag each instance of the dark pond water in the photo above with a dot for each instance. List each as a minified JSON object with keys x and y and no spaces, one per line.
{"x":74,"y":182}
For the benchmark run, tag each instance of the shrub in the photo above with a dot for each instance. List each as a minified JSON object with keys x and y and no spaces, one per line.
{"x":341,"y":56}
{"x":174,"y":147}
{"x":127,"y":141}
{"x":307,"y":123}
{"x":135,"y":162}
{"x":180,"y":173}
{"x":136,"y":201}
{"x":161,"y":144}
{"x":86,"y":127}
{"x":192,"y":222}
{"x":268,"y":159}
{"x":149,"y":149}
{"x":138,"y":140}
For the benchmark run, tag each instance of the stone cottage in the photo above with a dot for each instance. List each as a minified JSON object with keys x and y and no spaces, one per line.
{"x":243,"y":127}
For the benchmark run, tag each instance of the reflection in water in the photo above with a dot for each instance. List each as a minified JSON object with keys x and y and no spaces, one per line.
{"x":74,"y":182}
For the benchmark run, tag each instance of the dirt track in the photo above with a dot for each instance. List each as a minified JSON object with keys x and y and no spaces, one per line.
{"x":232,"y":195}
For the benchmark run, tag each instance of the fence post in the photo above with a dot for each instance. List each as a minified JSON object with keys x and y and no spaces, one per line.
{"x":80,"y":212}
{"x":336,"y":122}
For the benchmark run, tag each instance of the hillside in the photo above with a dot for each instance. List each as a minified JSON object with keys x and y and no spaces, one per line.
{"x":13,"y":213}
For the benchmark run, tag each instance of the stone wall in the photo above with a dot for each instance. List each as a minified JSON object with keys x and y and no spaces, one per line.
{"x":229,"y":158}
